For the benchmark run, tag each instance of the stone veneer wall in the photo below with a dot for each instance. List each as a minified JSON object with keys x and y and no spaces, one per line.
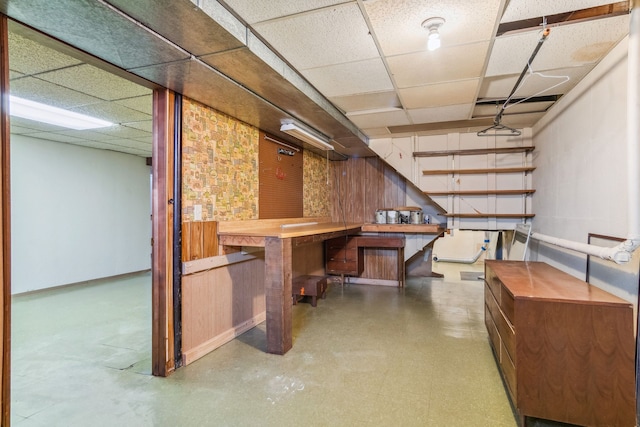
{"x":317,"y":185}
{"x":219,"y":165}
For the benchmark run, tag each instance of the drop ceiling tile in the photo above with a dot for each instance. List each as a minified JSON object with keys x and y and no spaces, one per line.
{"x":393,"y":118}
{"x":499,"y":87}
{"x":121,"y":132}
{"x":95,"y":82}
{"x":367,"y":101}
{"x":376,"y":132}
{"x":252,"y":11}
{"x":441,"y":114}
{"x":111,"y":112}
{"x":89,"y":134}
{"x":524,"y":107}
{"x":145,"y":125}
{"x":130,"y":143}
{"x":57,"y":137}
{"x":570,"y":45}
{"x":324,"y":37}
{"x":143,"y":103}
{"x":452,"y":93}
{"x":15,"y":75}
{"x":444,"y":64}
{"x":21,"y":130}
{"x":518,"y":10}
{"x":148,"y":140}
{"x":522,"y":120}
{"x":351,"y":78}
{"x":36,"y":126}
{"x":398,"y":23}
{"x":29,"y":57}
{"x":38,"y":90}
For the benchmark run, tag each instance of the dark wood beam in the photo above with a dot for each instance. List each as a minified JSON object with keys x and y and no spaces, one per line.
{"x":598,"y":12}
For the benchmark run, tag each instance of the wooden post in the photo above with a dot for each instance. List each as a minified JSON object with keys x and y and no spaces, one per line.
{"x":5,"y":213}
{"x":162,"y":339}
{"x":278,"y":294}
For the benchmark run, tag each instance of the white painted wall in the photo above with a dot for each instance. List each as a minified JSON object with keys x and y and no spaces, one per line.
{"x":581,"y":167}
{"x":77,"y":214}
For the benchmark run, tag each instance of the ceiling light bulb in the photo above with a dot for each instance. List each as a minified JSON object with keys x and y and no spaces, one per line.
{"x":433,"y":43}
{"x":432,"y":25}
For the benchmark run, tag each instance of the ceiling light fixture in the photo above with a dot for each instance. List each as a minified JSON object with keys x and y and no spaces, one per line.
{"x":297,"y":131}
{"x":52,"y":115}
{"x":432,"y":25}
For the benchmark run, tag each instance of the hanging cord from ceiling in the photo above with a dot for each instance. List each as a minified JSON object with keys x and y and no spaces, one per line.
{"x":498,"y":128}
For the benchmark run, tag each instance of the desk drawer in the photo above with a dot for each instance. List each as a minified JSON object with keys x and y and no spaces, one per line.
{"x":342,"y":254}
{"x":340,"y":267}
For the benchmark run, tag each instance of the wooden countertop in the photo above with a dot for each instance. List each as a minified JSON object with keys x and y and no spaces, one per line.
{"x":540,"y":280}
{"x":302,"y":230}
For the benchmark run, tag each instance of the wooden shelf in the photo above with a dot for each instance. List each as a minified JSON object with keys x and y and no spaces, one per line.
{"x":487,"y":215}
{"x":404,"y":228}
{"x":477,"y":171}
{"x":479,"y":192}
{"x":473,"y":152}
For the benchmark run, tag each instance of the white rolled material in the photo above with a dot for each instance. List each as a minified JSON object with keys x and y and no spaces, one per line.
{"x":619,"y":254}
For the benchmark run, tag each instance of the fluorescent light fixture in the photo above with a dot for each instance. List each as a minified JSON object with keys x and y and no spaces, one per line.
{"x":304,"y":135}
{"x":54,"y":116}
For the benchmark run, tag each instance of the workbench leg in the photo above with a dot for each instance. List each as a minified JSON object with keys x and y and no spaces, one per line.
{"x":278,"y":294}
{"x":401,"y":267}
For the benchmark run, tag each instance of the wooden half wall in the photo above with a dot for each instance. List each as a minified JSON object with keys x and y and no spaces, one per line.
{"x":223,"y":291}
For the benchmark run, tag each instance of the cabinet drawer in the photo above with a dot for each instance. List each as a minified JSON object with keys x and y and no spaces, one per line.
{"x":503,"y":326}
{"x":494,"y":338}
{"x":493,"y":282}
{"x":507,"y":304}
{"x":509,"y":372}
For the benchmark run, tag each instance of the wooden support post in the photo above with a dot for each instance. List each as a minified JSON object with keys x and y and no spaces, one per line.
{"x":278,"y":294}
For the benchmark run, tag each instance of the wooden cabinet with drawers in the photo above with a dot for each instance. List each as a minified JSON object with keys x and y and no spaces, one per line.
{"x":344,"y":257}
{"x":564,"y":348}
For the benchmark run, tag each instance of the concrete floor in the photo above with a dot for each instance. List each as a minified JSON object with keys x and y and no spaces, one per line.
{"x":367,"y":355}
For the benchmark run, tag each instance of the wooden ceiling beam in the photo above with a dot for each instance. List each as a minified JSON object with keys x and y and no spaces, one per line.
{"x":598,"y":12}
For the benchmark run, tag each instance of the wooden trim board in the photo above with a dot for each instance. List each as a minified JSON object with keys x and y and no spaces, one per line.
{"x":204,"y":264}
{"x":219,"y":340}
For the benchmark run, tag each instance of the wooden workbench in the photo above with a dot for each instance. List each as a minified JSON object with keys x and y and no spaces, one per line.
{"x":278,"y":238}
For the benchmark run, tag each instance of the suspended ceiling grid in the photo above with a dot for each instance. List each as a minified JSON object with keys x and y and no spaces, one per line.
{"x":42,"y":74}
{"x":313,"y":60}
{"x":369,"y":57}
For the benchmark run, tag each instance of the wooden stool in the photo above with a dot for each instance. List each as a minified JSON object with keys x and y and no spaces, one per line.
{"x":312,"y":286}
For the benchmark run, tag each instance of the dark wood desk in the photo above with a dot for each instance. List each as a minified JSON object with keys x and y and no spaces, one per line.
{"x":278,"y":238}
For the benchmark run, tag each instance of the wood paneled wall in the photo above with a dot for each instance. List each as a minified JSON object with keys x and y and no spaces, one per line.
{"x":220,"y":304}
{"x":364,"y":185}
